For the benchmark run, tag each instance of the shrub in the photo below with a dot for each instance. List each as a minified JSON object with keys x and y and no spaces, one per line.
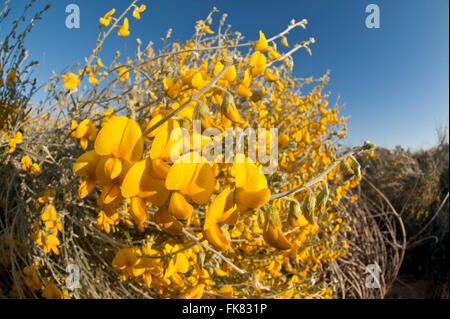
{"x":144,"y":212}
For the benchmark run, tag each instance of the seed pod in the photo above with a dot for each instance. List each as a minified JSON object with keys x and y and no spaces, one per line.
{"x":272,"y":233}
{"x":294,"y":213}
{"x":309,"y":206}
{"x":345,"y":167}
{"x":229,"y":109}
{"x":201,"y":258}
{"x":294,"y":209}
{"x":322,"y":197}
{"x":356,"y":167}
{"x":227,"y":60}
{"x":295,"y":217}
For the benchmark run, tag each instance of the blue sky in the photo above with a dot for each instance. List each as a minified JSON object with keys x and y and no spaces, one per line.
{"x":393,"y":80}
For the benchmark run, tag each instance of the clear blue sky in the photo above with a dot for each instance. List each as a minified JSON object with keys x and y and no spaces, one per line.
{"x":394,"y":80}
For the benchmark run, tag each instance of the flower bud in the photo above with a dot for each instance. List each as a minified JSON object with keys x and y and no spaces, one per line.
{"x":345,"y":167}
{"x":322,"y":197}
{"x":308,"y":208}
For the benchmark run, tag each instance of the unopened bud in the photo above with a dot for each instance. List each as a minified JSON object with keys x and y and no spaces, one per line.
{"x":322,"y":197}
{"x":227,"y":61}
{"x":294,"y":210}
{"x":345,"y":167}
{"x":309,"y":206}
{"x":201,"y":258}
{"x":356,"y":169}
{"x":203,"y":109}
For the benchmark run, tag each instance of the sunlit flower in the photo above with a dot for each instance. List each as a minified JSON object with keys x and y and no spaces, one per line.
{"x":193,"y":293}
{"x":53,"y":292}
{"x":120,"y":139}
{"x":70,"y":81}
{"x":258,"y":63}
{"x":107,"y":18}
{"x":26,"y":162}
{"x":35,"y":169}
{"x":14,"y":140}
{"x":124,"y":29}
{"x":138,"y":10}
{"x":204,"y":28}
{"x":126,"y":260}
{"x":252,"y":190}
{"x":86,"y":132}
{"x":192,"y":176}
{"x":261,"y":45}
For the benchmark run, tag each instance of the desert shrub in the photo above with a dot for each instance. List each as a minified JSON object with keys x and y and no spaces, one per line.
{"x":416,"y":183}
{"x":109,"y":186}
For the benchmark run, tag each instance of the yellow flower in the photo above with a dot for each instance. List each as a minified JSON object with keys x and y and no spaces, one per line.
{"x":86,"y":165}
{"x":35,"y":169}
{"x":229,"y":109}
{"x":284,"y":42}
{"x":228,"y":77}
{"x":49,"y":242}
{"x":14,"y":140}
{"x":138,"y":10}
{"x":163,"y":145}
{"x":93,"y":79}
{"x":120,"y":139}
{"x":11,"y":77}
{"x":124,"y":73}
{"x":48,"y":196}
{"x":172,"y":88}
{"x":222,"y":209}
{"x":107,"y":18}
{"x":261,"y":45}
{"x":273,"y":234}
{"x":270,"y":77}
{"x":167,"y":221}
{"x":126,"y":261}
{"x":124,"y":29}
{"x":86,"y":132}
{"x":145,"y":182}
{"x":179,"y":207}
{"x":204,"y":27}
{"x":146,"y":179}
{"x":104,"y":222}
{"x":53,"y":292}
{"x":258,"y":63}
{"x":243,"y":89}
{"x":226,"y":291}
{"x":283,"y":141}
{"x":70,"y":81}
{"x":48,"y":215}
{"x":252,"y":190}
{"x":273,"y":55}
{"x":193,"y":293}
{"x":26,"y":163}
{"x":192,"y":176}
{"x":32,"y":280}
{"x":100,"y":63}
{"x":200,"y":80}
{"x":178,"y":264}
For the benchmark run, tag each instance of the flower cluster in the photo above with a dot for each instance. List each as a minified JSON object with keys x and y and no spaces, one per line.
{"x":210,"y":171}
